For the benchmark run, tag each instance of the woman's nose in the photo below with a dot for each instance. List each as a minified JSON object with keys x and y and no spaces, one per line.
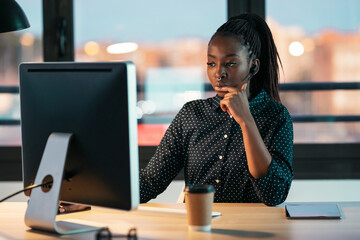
{"x":219,"y":72}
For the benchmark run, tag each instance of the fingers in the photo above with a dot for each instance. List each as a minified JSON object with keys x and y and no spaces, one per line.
{"x":233,"y":101}
{"x":224,"y":103}
{"x":232,"y":89}
{"x":68,"y":208}
{"x":224,"y":107}
{"x":226,"y":89}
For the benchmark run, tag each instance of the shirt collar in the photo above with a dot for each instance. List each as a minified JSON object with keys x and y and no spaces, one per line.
{"x":255,"y":105}
{"x":215,"y":101}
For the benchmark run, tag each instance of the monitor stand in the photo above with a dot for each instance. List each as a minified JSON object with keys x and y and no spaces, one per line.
{"x":43,"y":204}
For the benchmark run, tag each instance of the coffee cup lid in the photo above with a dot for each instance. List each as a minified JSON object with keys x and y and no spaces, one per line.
{"x":199,"y":188}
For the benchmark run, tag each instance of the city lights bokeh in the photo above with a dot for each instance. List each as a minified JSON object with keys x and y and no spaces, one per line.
{"x":120,"y":48}
{"x":169,"y":51}
{"x":296,"y":49}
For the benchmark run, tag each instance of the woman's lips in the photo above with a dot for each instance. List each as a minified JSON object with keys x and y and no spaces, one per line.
{"x":222,"y":84}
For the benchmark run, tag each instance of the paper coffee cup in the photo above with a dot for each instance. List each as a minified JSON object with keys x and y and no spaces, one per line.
{"x":199,"y":199}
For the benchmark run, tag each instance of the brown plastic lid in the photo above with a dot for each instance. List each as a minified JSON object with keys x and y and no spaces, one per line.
{"x":199,"y":188}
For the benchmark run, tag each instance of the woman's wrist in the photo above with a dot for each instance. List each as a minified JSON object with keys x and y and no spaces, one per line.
{"x":245,"y":121}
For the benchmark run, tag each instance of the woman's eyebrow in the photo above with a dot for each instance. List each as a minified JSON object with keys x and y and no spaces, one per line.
{"x":229,"y":55}
{"x":232,"y":55}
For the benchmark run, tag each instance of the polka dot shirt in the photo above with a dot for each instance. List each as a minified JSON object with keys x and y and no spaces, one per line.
{"x":208,"y":144}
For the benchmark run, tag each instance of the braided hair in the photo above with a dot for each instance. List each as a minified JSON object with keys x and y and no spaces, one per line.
{"x":254,"y":34}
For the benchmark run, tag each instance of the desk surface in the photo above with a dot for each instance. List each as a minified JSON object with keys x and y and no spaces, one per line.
{"x":244,"y":221}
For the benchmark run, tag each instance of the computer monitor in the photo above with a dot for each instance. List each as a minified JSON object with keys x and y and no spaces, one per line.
{"x":84,"y":114}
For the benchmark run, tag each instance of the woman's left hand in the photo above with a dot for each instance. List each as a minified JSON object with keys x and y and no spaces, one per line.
{"x":236,"y":103}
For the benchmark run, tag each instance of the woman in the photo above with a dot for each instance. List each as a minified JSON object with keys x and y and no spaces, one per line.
{"x":241,"y":140}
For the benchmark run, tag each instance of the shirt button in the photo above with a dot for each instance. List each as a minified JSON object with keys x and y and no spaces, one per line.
{"x":217,"y":180}
{"x":220,"y":157}
{"x":230,"y":116}
{"x":225,"y":136}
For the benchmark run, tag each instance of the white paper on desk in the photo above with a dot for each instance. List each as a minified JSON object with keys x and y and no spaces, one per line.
{"x":165,"y":212}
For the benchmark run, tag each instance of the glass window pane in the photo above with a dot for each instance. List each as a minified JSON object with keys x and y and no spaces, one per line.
{"x":327,"y":132}
{"x":21,"y":46}
{"x":319,"y":41}
{"x":16,"y":47}
{"x":167,"y":41}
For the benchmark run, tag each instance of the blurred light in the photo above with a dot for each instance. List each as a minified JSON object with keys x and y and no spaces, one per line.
{"x":181,"y":98}
{"x":296,"y":49}
{"x":6,"y":102}
{"x":308,"y":44}
{"x":27,"y":39}
{"x":122,"y":48}
{"x":139,"y":113}
{"x":191,"y":95}
{"x":91,"y":48}
{"x":147,"y":107}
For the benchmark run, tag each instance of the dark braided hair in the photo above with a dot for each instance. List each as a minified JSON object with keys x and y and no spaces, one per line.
{"x":254,"y":34}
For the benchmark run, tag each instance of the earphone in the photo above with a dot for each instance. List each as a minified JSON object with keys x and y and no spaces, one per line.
{"x":253,"y":69}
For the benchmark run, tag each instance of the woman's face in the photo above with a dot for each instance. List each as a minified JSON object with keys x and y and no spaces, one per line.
{"x":228,"y":60}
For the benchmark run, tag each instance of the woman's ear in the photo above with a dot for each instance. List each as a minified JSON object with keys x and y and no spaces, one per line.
{"x":255,"y":67}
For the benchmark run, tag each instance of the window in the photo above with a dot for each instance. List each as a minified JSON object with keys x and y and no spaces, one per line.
{"x":319,"y":41}
{"x":167,"y":41}
{"x":16,"y":47}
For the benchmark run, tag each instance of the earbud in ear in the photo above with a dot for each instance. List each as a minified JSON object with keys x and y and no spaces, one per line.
{"x":253,"y":69}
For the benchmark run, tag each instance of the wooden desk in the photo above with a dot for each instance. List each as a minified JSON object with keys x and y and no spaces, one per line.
{"x":238,"y":221}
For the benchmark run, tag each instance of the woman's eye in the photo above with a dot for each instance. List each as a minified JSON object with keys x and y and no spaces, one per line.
{"x":211,"y":64}
{"x":230,"y":64}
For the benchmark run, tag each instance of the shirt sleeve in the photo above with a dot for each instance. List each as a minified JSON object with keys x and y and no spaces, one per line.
{"x":166,"y":163}
{"x":273,"y":188}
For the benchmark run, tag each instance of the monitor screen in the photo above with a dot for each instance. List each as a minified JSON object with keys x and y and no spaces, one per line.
{"x":96,"y":103}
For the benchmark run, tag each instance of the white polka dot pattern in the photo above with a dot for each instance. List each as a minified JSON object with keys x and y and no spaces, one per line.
{"x":208,"y":144}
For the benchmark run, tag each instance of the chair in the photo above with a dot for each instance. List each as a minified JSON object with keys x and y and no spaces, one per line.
{"x":181,"y":198}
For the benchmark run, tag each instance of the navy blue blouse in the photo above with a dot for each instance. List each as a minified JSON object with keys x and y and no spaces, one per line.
{"x":208,"y":144}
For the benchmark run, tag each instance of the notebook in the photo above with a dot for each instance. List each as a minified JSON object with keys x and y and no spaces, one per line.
{"x":312,"y":211}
